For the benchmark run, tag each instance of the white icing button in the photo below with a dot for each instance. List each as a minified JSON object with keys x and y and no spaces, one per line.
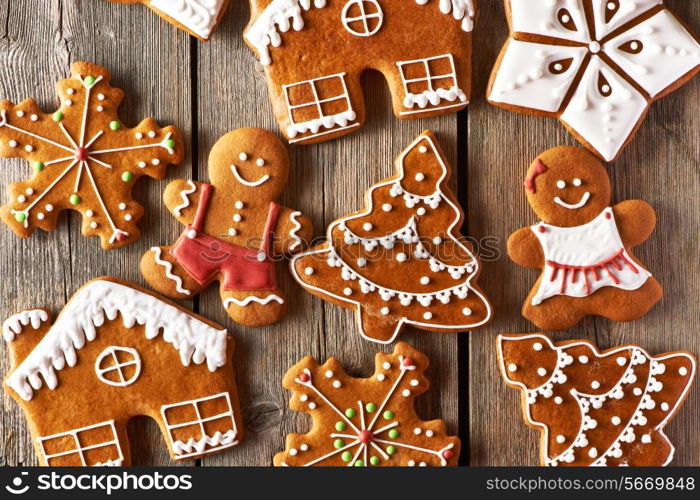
{"x":243,"y":157}
{"x":512,"y":367}
{"x":40,"y":216}
{"x":583,"y":359}
{"x":21,"y":198}
{"x":541,"y":372}
{"x":637,"y":391}
{"x":420,"y":176}
{"x":308,"y":271}
{"x":303,"y":397}
{"x":367,"y":226}
{"x":616,"y":420}
{"x":401,"y":257}
{"x":537,"y":346}
{"x":427,"y":315}
{"x":577,"y":181}
{"x":232,"y":231}
{"x":646,"y":439}
{"x":89,"y":213}
{"x":406,"y":393}
{"x":683,"y":371}
{"x":423,"y":149}
{"x":100,"y":108}
{"x":237,"y":218}
{"x":595,"y":384}
{"x":437,"y":240}
{"x":122,"y":206}
{"x":387,"y":207}
{"x":304,"y":447}
{"x":466,"y":311}
{"x":34,"y":118}
{"x":29,"y":191}
{"x":417,"y":431}
{"x":20,"y":113}
{"x":347,"y":291}
{"x":414,"y":382}
{"x":293,"y":451}
{"x":142,"y":164}
{"x":337,"y":384}
{"x":139,"y":135}
{"x":128,"y":217}
{"x":421,"y":211}
{"x":621,"y":361}
{"x":151,"y":134}
{"x":592,"y":453}
{"x":384,"y":311}
{"x":411,"y":463}
{"x":29,"y":148}
{"x":429,"y":433}
{"x":101,"y":97}
{"x":238,"y":205}
{"x":386,"y":365}
{"x":155,"y":161}
{"x":594,"y":47}
{"x":68,"y":102}
{"x":558,"y":400}
{"x":312,"y":406}
{"x":13,"y":143}
{"x":49,"y":207}
{"x":329,"y":374}
{"x":361,"y":262}
{"x":422,"y":464}
{"x":561,"y":184}
{"x":380,"y":377}
{"x":191,"y":234}
{"x":93,"y":225}
{"x":664,"y":406}
{"x":560,"y":439}
{"x":260,"y":162}
{"x":424,"y":280}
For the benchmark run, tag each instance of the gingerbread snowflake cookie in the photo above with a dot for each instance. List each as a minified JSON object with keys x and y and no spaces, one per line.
{"x":199,"y":18}
{"x":314,"y":52}
{"x":84,"y":159}
{"x":112,"y":354}
{"x":597,"y":65}
{"x":235,"y":231}
{"x":401,"y":261}
{"x":596,"y":408}
{"x":582,"y":244}
{"x":365,"y":421}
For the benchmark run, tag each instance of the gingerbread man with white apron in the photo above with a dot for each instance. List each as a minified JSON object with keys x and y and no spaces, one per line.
{"x":582,"y":244}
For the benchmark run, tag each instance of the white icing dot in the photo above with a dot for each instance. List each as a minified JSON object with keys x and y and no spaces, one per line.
{"x":40,"y":216}
{"x":401,"y":257}
{"x":312,"y":406}
{"x":307,"y":271}
{"x":21,"y":198}
{"x":558,"y":400}
{"x":367,"y":226}
{"x":594,"y":47}
{"x":361,"y":262}
{"x":422,"y":464}
{"x":577,"y":182}
{"x":417,"y":431}
{"x":303,"y":397}
{"x":512,"y":367}
{"x":242,"y":156}
{"x":387,"y":207}
{"x":683,"y":371}
{"x":537,"y":346}
{"x":595,"y":384}
{"x":329,"y":374}
{"x":541,"y":372}
{"x":237,"y":218}
{"x":558,"y":67}
{"x":293,"y":451}
{"x":592,"y":453}
{"x":560,"y":439}
{"x":637,"y":391}
{"x":155,"y":161}
{"x":13,"y":143}
{"x":427,"y":315}
{"x":49,"y":207}
{"x":347,"y":291}
{"x":411,"y":463}
{"x":337,"y":384}
{"x":34,"y":118}
{"x":139,"y":135}
{"x":70,"y":91}
{"x":151,"y":134}
{"x":100,"y":108}
{"x":381,"y":377}
{"x":29,"y":191}
{"x":122,"y":206}
{"x":414,"y":382}
{"x":384,"y":311}
{"x":561,"y":184}
{"x":406,"y":393}
{"x":424,"y":280}
{"x":646,"y":439}
{"x":611,"y":5}
{"x":232,"y":231}
{"x":93,"y":225}
{"x":20,"y":113}
{"x":386,"y":365}
{"x":420,"y":176}
{"x":583,"y":359}
{"x":68,"y":102}
{"x":29,"y":148}
{"x":142,"y":164}
{"x":101,"y":97}
{"x":422,"y":149}
{"x":238,"y":205}
{"x":664,"y":406}
{"x":616,"y":420}
{"x":260,"y":162}
{"x":466,"y":311}
{"x":304,"y":447}
{"x":191,"y":234}
{"x":128,"y":217}
{"x":437,"y":240}
{"x":621,"y":361}
{"x":429,"y":433}
{"x":421,"y":211}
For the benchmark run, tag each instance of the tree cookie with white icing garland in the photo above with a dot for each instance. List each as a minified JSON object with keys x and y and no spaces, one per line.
{"x":361,"y":422}
{"x":115,"y":352}
{"x":582,"y":244}
{"x":597,"y":65}
{"x":235,"y":231}
{"x":315,"y":51}
{"x":83,"y":158}
{"x":596,"y":408}
{"x":199,"y":18}
{"x":401,"y":261}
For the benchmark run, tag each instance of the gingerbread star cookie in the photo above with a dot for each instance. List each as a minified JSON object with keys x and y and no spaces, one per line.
{"x":401,"y":261}
{"x":84,"y":159}
{"x":582,"y":244}
{"x":596,"y":408}
{"x":112,"y":354}
{"x":315,"y":51}
{"x":597,"y":65}
{"x":235,"y":230}
{"x":199,"y":18}
{"x":365,"y":421}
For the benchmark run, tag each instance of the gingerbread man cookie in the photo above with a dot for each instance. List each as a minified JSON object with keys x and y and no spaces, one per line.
{"x":583,"y":245}
{"x":596,"y":408}
{"x":84,"y":159}
{"x":401,"y":261}
{"x":235,"y":231}
{"x":597,"y":65}
{"x":365,"y":421}
{"x":199,"y":18}
{"x":113,"y":354}
{"x":314,"y":68}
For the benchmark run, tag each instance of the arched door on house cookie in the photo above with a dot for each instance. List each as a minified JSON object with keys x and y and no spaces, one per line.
{"x":362,"y":17}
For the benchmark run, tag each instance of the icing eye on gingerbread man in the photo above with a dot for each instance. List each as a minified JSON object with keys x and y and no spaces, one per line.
{"x":562,"y":184}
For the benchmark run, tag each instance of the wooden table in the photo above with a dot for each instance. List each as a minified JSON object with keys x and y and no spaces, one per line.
{"x":209,"y":89}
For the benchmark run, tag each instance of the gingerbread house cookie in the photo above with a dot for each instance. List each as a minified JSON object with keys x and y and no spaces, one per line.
{"x":597,"y":65}
{"x":314,"y":52}
{"x":596,"y":408}
{"x":117,"y":351}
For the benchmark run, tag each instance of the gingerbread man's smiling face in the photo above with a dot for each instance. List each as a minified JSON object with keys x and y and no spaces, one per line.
{"x":567,"y":187}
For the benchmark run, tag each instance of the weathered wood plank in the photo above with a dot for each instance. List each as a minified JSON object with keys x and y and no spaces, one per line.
{"x":659,"y":166}
{"x":149,"y":61}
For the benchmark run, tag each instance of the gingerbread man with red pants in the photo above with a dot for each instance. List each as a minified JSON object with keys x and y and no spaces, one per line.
{"x":234,"y":230}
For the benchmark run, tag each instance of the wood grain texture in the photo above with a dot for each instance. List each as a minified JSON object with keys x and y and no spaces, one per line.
{"x":208,"y":89}
{"x":660,"y":166}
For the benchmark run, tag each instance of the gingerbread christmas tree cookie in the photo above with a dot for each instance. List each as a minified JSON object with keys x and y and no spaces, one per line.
{"x":597,"y":65}
{"x":84,"y":159}
{"x":365,"y":421}
{"x":596,"y":408}
{"x":401,"y":261}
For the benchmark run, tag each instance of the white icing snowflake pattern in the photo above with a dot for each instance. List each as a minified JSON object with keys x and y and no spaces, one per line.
{"x":616,"y":74}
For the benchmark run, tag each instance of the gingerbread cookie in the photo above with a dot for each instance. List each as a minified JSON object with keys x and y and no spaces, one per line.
{"x":234,"y":229}
{"x":401,"y":261}
{"x":81,"y":378}
{"x":199,"y":18}
{"x":582,"y":244}
{"x":84,"y":159}
{"x":365,"y":421}
{"x":314,"y":69}
{"x":597,"y":65}
{"x":596,"y":408}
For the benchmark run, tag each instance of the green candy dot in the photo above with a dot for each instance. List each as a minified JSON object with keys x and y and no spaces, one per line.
{"x":39,"y":166}
{"x":75,"y":199}
{"x":359,"y":463}
{"x":393,"y":433}
{"x":57,"y":116}
{"x":340,"y":426}
{"x":349,"y":413}
{"x":390,"y":450}
{"x":170,"y":143}
{"x":370,"y":407}
{"x":89,"y":81}
{"x":114,"y":125}
{"x":338,"y":443}
{"x":374,"y":460}
{"x":346,"y":456}
{"x":388,"y":415}
{"x":127,"y":176}
{"x":20,"y":216}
